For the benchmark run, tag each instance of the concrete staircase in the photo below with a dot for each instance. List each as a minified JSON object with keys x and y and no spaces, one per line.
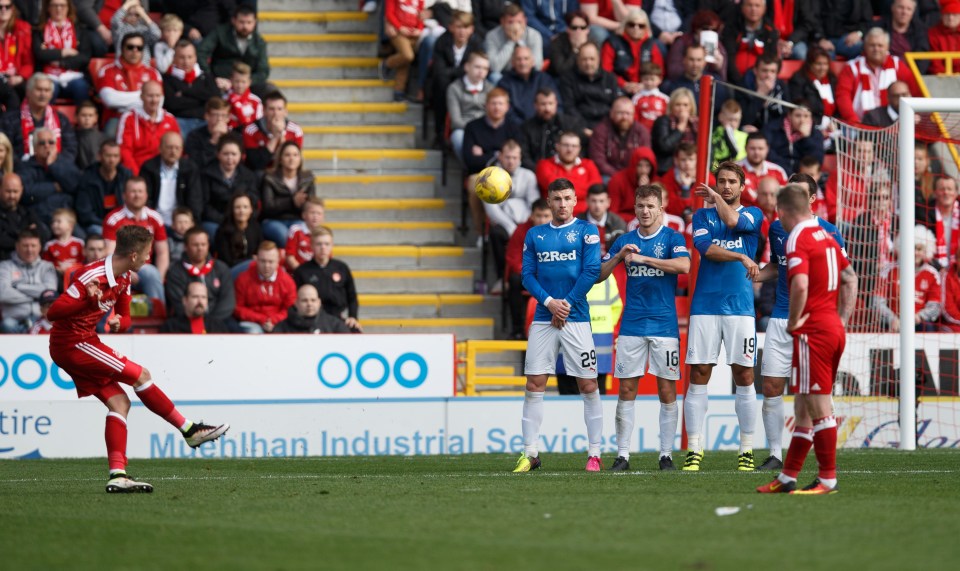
{"x":393,"y":222}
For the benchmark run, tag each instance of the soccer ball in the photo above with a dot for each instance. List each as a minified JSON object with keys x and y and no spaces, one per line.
{"x":493,"y":185}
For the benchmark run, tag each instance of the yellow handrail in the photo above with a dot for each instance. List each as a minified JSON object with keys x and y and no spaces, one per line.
{"x":912,"y":58}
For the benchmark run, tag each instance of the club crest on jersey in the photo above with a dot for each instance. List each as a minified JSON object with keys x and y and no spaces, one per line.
{"x":107,"y":305}
{"x":658,"y":251}
{"x":679,"y":249}
{"x":572,"y":236}
{"x":592,"y":239}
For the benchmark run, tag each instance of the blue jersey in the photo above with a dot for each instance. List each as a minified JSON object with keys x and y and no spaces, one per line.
{"x":723,"y":288}
{"x":651,"y":309}
{"x":778,"y":249}
{"x":562,"y":262}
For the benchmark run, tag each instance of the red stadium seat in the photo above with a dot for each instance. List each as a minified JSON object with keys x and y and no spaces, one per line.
{"x":69,"y":111}
{"x":789,"y":68}
{"x":95,"y":65}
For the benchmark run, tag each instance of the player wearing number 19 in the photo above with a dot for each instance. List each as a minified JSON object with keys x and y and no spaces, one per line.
{"x":653,"y":255}
{"x":561,"y":262}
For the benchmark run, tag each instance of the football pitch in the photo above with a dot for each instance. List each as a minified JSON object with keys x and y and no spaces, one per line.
{"x":895,"y":510}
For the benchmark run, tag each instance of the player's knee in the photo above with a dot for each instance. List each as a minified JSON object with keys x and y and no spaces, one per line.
{"x":588,"y":385}
{"x":144,"y":376}
{"x":772,"y":389}
{"x":119,"y":404}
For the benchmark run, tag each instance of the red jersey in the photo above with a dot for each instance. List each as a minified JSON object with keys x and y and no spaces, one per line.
{"x":811,"y":251}
{"x":926,"y":288}
{"x":754,"y":174}
{"x":244,"y":109}
{"x":298,"y":243}
{"x":75,"y":314}
{"x":64,"y":253}
{"x":254,"y":137}
{"x":121,"y":76}
{"x":650,"y":105}
{"x":139,"y":136}
{"x":583,"y":174}
{"x":123,"y":216}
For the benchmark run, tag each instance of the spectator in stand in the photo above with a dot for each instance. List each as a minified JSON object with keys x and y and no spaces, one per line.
{"x":541,"y":132}
{"x":42,"y":326}
{"x":88,"y":16}
{"x":793,"y":138}
{"x":245,"y":107}
{"x":235,"y":41}
{"x":201,"y":17}
{"x":650,"y":103}
{"x":522,"y":82}
{"x":748,"y":37}
{"x":466,"y":98}
{"x":141,"y":128}
{"x":35,"y":111}
{"x":201,"y":145}
{"x":263,"y":137}
{"x":615,"y":138}
{"x":132,"y":17}
{"x":565,"y":47}
{"x":816,"y":83}
{"x":486,"y":15}
{"x":265,"y":291}
{"x":756,"y":166}
{"x":866,"y":172}
{"x":927,"y":291}
{"x":763,"y":79}
{"x":332,"y":278}
{"x":943,"y":218}
{"x":183,"y":220}
{"x":716,"y":63}
{"x":844,"y":25}
{"x":136,"y":212}
{"x":172,"y":179}
{"x":14,"y":216}
{"x":677,"y":126}
{"x":888,"y":114}
{"x":623,"y":185}
{"x":65,"y":250}
{"x":951,"y":295}
{"x":945,"y":37}
{"x":589,"y":91}
{"x":62,"y":50}
{"x":624,"y":52}
{"x":197,"y":265}
{"x":16,"y":59}
{"x":924,"y":182}
{"x":6,"y":154}
{"x":220,"y":180}
{"x":403,"y":27}
{"x":306,"y":316}
{"x":729,"y":143}
{"x":680,"y":181}
{"x":546,"y":17}
{"x":171,"y":30}
{"x":598,"y":213}
{"x":119,"y":83}
{"x":236,"y":241}
{"x":505,"y":216}
{"x":540,"y":214}
{"x":22,"y":279}
{"x":870,"y":241}
{"x":299,"y":248}
{"x":101,"y":188}
{"x":668,"y":19}
{"x":187,"y":88}
{"x":603,"y":17}
{"x":451,"y":54}
{"x":863,"y":83}
{"x":50,"y":180}
{"x":566,"y":163}
{"x":195,"y":318}
{"x":694,"y":68}
{"x":908,"y":33}
{"x":797,"y":22}
{"x":89,"y":135}
{"x":285,"y":190}
{"x":513,"y":30}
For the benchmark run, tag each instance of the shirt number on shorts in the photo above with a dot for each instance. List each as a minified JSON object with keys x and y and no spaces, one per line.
{"x":588,"y":359}
{"x":673,"y":358}
{"x":749,"y":345}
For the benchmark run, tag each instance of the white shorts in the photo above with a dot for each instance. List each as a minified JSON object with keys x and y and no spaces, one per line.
{"x":663,"y":354}
{"x":575,"y":340}
{"x":737,"y":332}
{"x":777,"y":350}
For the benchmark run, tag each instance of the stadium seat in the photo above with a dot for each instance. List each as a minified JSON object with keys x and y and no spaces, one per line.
{"x":69,"y":111}
{"x":95,"y":65}
{"x":789,"y":68}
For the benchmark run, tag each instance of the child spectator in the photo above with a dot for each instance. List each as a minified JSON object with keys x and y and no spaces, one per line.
{"x":43,"y":326}
{"x":650,"y":101}
{"x":130,"y":18}
{"x":466,"y":98}
{"x":89,"y":135}
{"x":264,"y":292}
{"x":298,"y":248}
{"x":65,"y":250}
{"x":171,"y":29}
{"x":927,"y":296}
{"x":680,"y":180}
{"x":245,"y":107}
{"x":729,"y":142}
{"x":182,"y":221}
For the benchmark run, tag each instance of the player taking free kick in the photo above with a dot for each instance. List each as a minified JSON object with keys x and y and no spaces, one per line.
{"x":97,"y":369}
{"x":815,"y":271}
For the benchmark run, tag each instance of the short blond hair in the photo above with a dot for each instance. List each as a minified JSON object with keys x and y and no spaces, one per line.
{"x":321,"y":231}
{"x":66,"y":213}
{"x":171,"y":22}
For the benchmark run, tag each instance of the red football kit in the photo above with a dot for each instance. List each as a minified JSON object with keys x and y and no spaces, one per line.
{"x":298,"y":243}
{"x":244,"y":109}
{"x":64,"y":253}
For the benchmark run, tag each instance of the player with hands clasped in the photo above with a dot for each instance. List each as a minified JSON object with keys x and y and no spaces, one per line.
{"x":97,"y":369}
{"x":561,"y":262}
{"x":653,"y":255}
{"x":727,"y":235}
{"x":819,"y":283}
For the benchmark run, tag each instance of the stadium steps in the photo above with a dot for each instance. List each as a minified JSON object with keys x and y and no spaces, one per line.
{"x":400,"y":209}
{"x":324,"y":67}
{"x":414,"y":281}
{"x":322,"y":45}
{"x":424,"y":306}
{"x":394,"y":257}
{"x":333,"y":184}
{"x":353,"y":113}
{"x":373,"y":232}
{"x":359,"y":136}
{"x":336,"y":90}
{"x":374,"y":161}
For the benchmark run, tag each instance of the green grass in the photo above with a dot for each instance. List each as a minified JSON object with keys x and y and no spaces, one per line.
{"x":895,"y":511}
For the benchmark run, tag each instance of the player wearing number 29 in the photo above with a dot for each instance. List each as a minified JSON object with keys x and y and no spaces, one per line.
{"x":97,"y":369}
{"x":561,"y":262}
{"x":653,"y":255}
{"x":727,"y":237}
{"x":816,"y":273}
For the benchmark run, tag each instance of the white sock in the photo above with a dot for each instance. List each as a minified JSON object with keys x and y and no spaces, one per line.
{"x":772,"y":413}
{"x":625,"y":419}
{"x":786,"y":479}
{"x":531,"y":421}
{"x":669,"y":413}
{"x":694,"y":411}
{"x":593,"y":418}
{"x":746,"y":407}
{"x":829,"y":482}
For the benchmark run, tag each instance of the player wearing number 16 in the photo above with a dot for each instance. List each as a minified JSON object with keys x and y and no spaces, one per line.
{"x":653,"y":255}
{"x":561,"y":262}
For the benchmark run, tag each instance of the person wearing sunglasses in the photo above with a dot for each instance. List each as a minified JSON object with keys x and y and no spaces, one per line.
{"x":623,"y":53}
{"x":61,"y":49}
{"x":119,"y":83}
{"x":565,"y":47}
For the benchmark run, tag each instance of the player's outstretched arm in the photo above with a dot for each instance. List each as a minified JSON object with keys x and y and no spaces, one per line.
{"x":728,"y":215}
{"x":848,"y":294}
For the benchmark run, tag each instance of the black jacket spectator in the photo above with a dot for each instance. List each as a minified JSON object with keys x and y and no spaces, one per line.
{"x":840,"y":17}
{"x":217,"y":191}
{"x":338,"y":292}
{"x":199,"y":148}
{"x":486,"y":15}
{"x":278,"y":200}
{"x":219,"y":50}
{"x":189,"y":191}
{"x":12,"y":222}
{"x":562,"y":58}
{"x":203,"y":15}
{"x":787,"y":154}
{"x":540,"y":137}
{"x":219,"y":284}
{"x":445,"y":71}
{"x":732,"y":37}
{"x":319,"y":323}
{"x":479,"y":132}
{"x":96,"y":196}
{"x":878,"y":117}
{"x":186,"y":100}
{"x":589,"y":98}
{"x":666,"y":138}
{"x":68,"y":137}
{"x":181,"y":324}
{"x":758,"y":112}
{"x":807,"y":25}
{"x":40,"y":186}
{"x":88,"y":146}
{"x":232,"y":246}
{"x":915,"y":38}
{"x":801,"y":86}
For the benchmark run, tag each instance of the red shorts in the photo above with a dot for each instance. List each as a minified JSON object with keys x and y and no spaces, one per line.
{"x":95,"y":368}
{"x":816,"y":358}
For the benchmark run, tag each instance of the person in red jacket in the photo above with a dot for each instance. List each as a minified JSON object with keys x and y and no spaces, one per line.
{"x":264,"y":292}
{"x":583,"y":173}
{"x":16,"y":54}
{"x":945,"y":36}
{"x":118,"y":85}
{"x":624,"y":53}
{"x":863,"y":83}
{"x":622,"y":187}
{"x":402,"y":27}
{"x":140,"y":130}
